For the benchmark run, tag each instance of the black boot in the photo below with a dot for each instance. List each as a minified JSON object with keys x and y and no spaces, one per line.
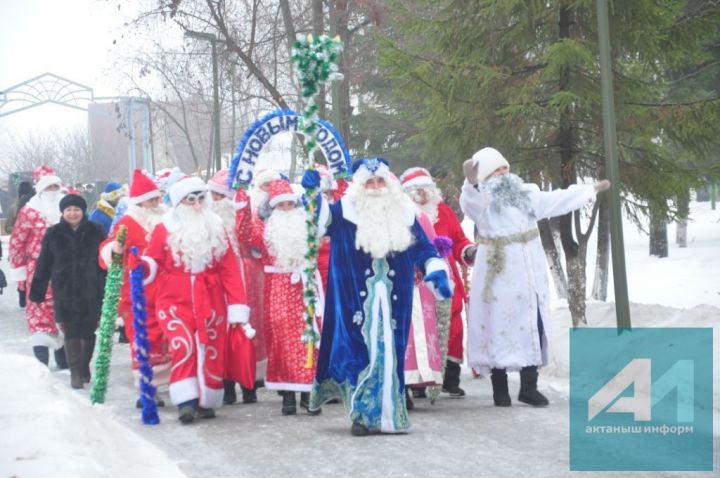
{"x":205,"y":412}
{"x":42,"y":354}
{"x":122,"y":336}
{"x":60,"y":358}
{"x":451,"y":383}
{"x":501,"y":396}
{"x":305,"y":400}
{"x":73,"y":352}
{"x":229,"y":395}
{"x":289,"y":406}
{"x":419,"y":392}
{"x":87,"y":347}
{"x":528,"y":388}
{"x":409,"y":404}
{"x":359,"y":430}
{"x":249,"y":395}
{"x":22,"y":299}
{"x":187,"y":411}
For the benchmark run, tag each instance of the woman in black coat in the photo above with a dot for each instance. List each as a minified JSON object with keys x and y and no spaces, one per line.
{"x":69,"y":259}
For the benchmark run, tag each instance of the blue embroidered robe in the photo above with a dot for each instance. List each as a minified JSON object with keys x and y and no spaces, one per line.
{"x":365,"y":327}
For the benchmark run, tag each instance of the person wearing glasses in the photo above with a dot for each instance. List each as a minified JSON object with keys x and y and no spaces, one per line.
{"x":199,"y":290}
{"x":144,"y":212}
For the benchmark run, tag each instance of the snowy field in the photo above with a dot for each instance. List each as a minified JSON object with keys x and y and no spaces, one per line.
{"x":50,"y":430}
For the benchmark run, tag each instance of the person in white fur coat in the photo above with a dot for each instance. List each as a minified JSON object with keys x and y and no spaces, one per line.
{"x":508,"y":319}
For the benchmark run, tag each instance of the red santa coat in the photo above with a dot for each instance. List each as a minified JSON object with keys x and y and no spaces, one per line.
{"x":193,"y":309}
{"x":137,"y":236}
{"x":284,"y":309}
{"x":448,"y":225}
{"x":25,"y":243}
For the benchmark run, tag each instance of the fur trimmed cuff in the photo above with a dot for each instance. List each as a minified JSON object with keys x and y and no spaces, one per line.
{"x":106,"y":253}
{"x":238,"y":314}
{"x":434,"y":264}
{"x":240,"y":205}
{"x":19,"y":274}
{"x":152,"y":269}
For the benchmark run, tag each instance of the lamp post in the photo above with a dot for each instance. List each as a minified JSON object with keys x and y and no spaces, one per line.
{"x":216,"y":100}
{"x":622,"y":304}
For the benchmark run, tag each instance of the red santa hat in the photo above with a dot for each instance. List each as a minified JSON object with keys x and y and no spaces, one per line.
{"x":142,"y":188}
{"x":416,"y":178}
{"x":487,"y":161}
{"x":264,"y":176}
{"x":183,"y":187}
{"x":218,"y":183}
{"x":280,"y":190}
{"x":44,"y":177}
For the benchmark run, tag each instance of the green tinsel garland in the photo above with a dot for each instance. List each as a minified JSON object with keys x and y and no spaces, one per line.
{"x":316,"y":63}
{"x":113,"y":282}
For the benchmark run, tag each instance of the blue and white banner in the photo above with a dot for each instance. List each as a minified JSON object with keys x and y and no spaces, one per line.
{"x":280,"y":121}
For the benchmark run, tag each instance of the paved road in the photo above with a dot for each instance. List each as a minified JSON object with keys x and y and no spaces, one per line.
{"x":455,"y":437}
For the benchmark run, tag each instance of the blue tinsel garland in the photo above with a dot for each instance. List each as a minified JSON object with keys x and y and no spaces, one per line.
{"x":142,"y":345}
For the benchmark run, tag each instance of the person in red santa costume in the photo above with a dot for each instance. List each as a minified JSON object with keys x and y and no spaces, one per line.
{"x":281,"y":241}
{"x":199,"y":291}
{"x":33,"y":219}
{"x":223,"y":205}
{"x":419,"y":185}
{"x":144,"y":212}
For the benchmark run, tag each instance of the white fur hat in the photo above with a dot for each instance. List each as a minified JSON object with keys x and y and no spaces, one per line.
{"x":416,"y":178}
{"x":183,"y":187}
{"x":364,"y":169}
{"x":487,"y":161}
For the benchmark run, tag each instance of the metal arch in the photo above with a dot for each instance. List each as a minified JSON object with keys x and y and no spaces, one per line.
{"x":42,"y":89}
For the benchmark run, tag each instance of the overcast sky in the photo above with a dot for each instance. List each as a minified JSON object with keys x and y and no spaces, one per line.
{"x":71,"y":38}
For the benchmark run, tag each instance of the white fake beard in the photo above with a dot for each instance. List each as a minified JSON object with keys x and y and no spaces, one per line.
{"x":258,"y":197}
{"x":196,"y":238}
{"x":154,"y":216}
{"x":508,"y":190}
{"x":430,"y":208}
{"x":147,"y":217}
{"x":286,"y":237}
{"x":226,"y":210}
{"x":48,"y":204}
{"x":381,"y":228}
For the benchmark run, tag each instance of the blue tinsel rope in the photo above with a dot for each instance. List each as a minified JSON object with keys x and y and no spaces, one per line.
{"x":142,"y":345}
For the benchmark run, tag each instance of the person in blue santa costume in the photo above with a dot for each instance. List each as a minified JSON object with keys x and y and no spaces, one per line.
{"x":104,"y":212}
{"x":377,"y":244}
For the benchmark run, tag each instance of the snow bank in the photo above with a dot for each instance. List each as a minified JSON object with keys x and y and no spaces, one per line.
{"x":50,"y":430}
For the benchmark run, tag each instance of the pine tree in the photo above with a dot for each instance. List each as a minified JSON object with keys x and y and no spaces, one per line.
{"x":523,"y":76}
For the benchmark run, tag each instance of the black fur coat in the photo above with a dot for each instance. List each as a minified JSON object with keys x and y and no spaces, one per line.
{"x":69,"y":259}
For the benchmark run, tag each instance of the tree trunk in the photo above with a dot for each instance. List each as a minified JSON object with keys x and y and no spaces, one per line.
{"x":658,"y":234}
{"x":319,"y":29}
{"x":600,"y":283}
{"x":339,"y":17}
{"x":576,"y":265}
{"x":553,"y":257}
{"x":574,"y":251}
{"x":683,"y":206}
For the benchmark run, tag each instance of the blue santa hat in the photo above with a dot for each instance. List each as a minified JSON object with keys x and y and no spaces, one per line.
{"x":113,"y":191}
{"x":366,"y":168}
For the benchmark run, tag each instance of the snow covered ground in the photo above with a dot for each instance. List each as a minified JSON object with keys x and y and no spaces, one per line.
{"x":47,"y":429}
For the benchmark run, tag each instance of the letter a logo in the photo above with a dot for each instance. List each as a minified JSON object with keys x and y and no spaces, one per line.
{"x":636,"y":373}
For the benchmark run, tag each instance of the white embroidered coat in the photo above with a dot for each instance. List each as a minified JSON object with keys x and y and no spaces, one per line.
{"x":504,"y":333}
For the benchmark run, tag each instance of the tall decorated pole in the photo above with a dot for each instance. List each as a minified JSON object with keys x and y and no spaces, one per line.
{"x":316,"y":62}
{"x":111,"y":298}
